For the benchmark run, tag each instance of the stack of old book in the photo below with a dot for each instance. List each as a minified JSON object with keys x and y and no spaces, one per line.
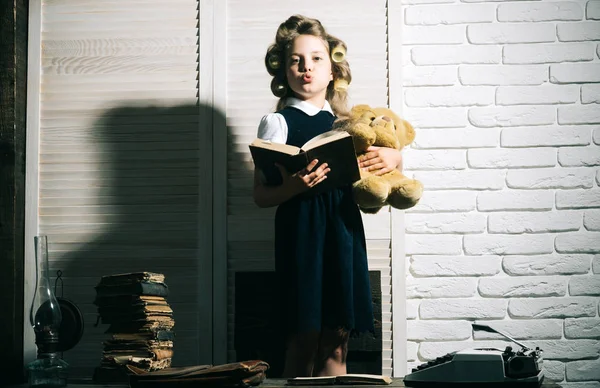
{"x":141,"y":324}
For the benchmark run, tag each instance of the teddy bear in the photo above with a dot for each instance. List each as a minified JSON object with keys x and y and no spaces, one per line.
{"x":380,"y":127}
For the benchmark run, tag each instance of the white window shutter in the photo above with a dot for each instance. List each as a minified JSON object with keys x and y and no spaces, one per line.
{"x":119,"y":173}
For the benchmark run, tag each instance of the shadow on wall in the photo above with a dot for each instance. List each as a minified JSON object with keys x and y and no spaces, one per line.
{"x":134,"y":206}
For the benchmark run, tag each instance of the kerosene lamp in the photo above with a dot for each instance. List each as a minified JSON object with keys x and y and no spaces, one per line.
{"x":49,"y":369}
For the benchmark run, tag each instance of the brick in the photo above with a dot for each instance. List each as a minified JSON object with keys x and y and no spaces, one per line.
{"x":547,"y":53}
{"x":592,"y":10}
{"x":433,"y":34}
{"x":583,"y":370}
{"x":411,"y":351}
{"x":586,"y":384}
{"x":413,"y":2}
{"x":577,"y":199}
{"x":459,"y":223}
{"x":432,"y":350}
{"x":412,"y":308}
{"x":503,"y":75}
{"x":440,"y":266}
{"x":551,"y":136}
{"x":463,"y":309}
{"x":438,"y":330}
{"x":515,"y":200}
{"x":449,"y":14}
{"x":582,"y":328}
{"x":512,"y":116}
{"x":531,"y":95}
{"x":574,"y":73}
{"x":445,"y":201}
{"x":596,"y":264}
{"x":433,"y":245}
{"x":430,"y":76}
{"x":584,"y":285}
{"x":443,"y":117}
{"x":501,"y":287}
{"x":535,"y":222}
{"x":508,"y":244}
{"x":569,"y":349}
{"x":578,"y":32}
{"x":597,"y":136}
{"x":457,"y":138}
{"x":554,"y":370}
{"x":591,"y":220}
{"x":510,"y":158}
{"x":456,"y":55}
{"x":533,"y":329}
{"x":579,"y":156}
{"x":450,"y":96}
{"x":578,"y":114}
{"x":466,"y":179}
{"x":546,"y":264}
{"x":416,"y":159}
{"x":590,"y":94}
{"x":503,"y":33}
{"x":440,"y":288}
{"x":541,"y":308}
{"x":550,"y":178}
{"x":539,"y":12}
{"x":578,"y":242}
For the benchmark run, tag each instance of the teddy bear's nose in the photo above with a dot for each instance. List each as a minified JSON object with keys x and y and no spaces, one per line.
{"x":386,"y":118}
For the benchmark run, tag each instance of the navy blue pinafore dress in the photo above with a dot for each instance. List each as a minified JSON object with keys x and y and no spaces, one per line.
{"x":320,"y":250}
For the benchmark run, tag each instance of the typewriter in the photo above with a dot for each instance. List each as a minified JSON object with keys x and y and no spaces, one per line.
{"x":481,"y":367}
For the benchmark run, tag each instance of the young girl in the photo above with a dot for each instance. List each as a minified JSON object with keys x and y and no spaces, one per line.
{"x":320,"y":249}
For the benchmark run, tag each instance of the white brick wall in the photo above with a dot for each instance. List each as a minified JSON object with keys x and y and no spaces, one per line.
{"x":505,"y":100}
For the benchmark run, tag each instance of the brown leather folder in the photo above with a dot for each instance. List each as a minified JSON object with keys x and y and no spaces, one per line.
{"x":238,"y":374}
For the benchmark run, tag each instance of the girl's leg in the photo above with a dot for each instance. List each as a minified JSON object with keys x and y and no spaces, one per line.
{"x":331,"y":356}
{"x":300,"y":355}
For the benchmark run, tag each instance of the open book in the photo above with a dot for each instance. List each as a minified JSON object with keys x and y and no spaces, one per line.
{"x":334,"y":148}
{"x":342,"y":379}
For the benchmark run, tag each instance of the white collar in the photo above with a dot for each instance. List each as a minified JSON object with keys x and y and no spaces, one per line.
{"x":307,"y":107}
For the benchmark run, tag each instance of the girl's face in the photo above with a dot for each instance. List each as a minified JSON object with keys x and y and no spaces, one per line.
{"x":308,"y":69}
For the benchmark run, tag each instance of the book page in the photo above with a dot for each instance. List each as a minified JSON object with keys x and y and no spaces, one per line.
{"x":269,"y":145}
{"x":324,"y":138}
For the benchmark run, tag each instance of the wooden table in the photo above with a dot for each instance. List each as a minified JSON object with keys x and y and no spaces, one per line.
{"x":268,"y":383}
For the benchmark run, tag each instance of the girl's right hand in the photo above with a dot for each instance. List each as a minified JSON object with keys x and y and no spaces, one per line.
{"x":305,"y":178}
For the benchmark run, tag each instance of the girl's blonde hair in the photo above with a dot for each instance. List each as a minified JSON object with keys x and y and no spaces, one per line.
{"x":275,"y":61}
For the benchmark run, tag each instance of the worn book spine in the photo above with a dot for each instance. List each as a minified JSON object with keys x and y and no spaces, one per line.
{"x":129,"y":300}
{"x":133,"y":277}
{"x":142,"y":288}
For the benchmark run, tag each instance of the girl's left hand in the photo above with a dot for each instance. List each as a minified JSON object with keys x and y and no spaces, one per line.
{"x":380,"y":160}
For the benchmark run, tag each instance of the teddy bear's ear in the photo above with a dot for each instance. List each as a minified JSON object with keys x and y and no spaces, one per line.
{"x":408,"y":132}
{"x":387,"y":112}
{"x":358,"y":111}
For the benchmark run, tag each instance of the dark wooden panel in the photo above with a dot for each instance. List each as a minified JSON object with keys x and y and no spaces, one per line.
{"x":13,"y":103}
{"x":256,"y":317}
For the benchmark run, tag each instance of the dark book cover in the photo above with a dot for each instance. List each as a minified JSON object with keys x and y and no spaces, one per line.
{"x":156,"y":335}
{"x":335,"y":148}
{"x":132,"y":277}
{"x":136,"y":317}
{"x":123,"y":301}
{"x":141,"y":326}
{"x":139,"y":309}
{"x":141,"y":288}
